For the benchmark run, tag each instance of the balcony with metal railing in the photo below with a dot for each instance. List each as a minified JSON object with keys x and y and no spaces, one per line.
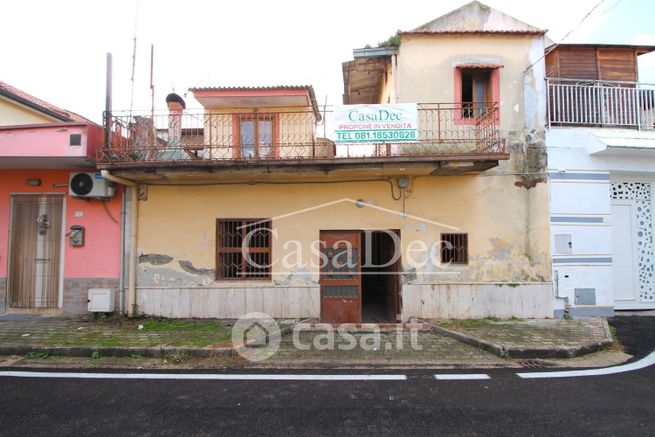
{"x":278,"y":136}
{"x":601,"y":103}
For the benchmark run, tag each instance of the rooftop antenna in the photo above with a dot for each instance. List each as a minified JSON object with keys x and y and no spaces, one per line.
{"x":324,"y":114}
{"x":136,"y":16}
{"x":108,"y":104}
{"x":152,"y":83}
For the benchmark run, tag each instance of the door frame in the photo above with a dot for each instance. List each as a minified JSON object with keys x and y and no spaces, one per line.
{"x":640,"y":176}
{"x":359,"y":271}
{"x":635,"y":254}
{"x":62,"y":253}
{"x":398,"y":284}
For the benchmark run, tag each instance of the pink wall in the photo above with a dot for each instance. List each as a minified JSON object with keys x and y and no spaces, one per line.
{"x":100,"y":255}
{"x":51,"y":140}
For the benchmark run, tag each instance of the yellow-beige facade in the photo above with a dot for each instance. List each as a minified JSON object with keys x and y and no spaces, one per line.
{"x":308,"y":185}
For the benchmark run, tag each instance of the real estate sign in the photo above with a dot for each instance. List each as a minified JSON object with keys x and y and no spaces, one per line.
{"x":375,"y":123}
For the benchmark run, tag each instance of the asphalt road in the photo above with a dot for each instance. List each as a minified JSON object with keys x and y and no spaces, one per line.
{"x":622,"y":404}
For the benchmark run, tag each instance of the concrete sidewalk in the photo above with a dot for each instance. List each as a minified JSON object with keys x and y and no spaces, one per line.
{"x":535,"y":338}
{"x":79,"y":336}
{"x":207,"y":343}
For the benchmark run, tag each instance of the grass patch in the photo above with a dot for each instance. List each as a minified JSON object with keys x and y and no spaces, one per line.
{"x":616,"y":344}
{"x":477,"y":323}
{"x":467,"y":323}
{"x":178,"y":358}
{"x":36,"y":355}
{"x":185,"y":325}
{"x":155,"y":332}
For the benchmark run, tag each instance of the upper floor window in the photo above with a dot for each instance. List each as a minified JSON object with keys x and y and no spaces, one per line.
{"x":255,"y":135}
{"x":477,"y":88}
{"x":476,"y":91}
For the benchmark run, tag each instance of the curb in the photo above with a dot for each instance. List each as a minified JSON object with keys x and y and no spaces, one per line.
{"x":525,"y":353}
{"x":87,"y":351}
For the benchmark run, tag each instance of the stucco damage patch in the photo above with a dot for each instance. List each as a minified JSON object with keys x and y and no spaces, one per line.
{"x":301,"y":277}
{"x":517,"y":268}
{"x":501,"y":249}
{"x":188,"y":275}
{"x":529,"y":156}
{"x":188,"y":267}
{"x":155,"y":259}
{"x":500,"y":264}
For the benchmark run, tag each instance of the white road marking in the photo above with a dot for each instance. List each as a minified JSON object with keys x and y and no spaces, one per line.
{"x":461,"y":376}
{"x":641,"y":364}
{"x":203,"y":376}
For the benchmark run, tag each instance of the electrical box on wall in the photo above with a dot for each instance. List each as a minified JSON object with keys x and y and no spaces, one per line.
{"x":563,"y":244}
{"x":101,"y":300}
{"x":76,"y":236}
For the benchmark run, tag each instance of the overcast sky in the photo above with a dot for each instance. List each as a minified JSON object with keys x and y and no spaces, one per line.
{"x":56,"y":50}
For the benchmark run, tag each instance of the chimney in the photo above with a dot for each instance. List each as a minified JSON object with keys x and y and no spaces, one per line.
{"x":176,"y":106}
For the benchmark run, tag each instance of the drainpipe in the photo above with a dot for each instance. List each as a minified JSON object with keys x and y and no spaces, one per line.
{"x":121,"y":285}
{"x":394,"y":78}
{"x":131,"y":291}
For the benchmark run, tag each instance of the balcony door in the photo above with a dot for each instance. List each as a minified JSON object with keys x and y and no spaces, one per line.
{"x":476,"y":92}
{"x":256,"y":135}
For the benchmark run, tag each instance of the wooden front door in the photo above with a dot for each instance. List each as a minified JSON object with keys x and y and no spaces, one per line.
{"x":341,"y":279}
{"x":34,"y":250}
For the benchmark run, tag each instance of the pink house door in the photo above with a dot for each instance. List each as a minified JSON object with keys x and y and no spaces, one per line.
{"x":35,"y":239}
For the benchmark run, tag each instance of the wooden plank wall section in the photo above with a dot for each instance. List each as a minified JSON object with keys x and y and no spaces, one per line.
{"x":578,"y":63}
{"x":592,"y":63}
{"x":617,"y":64}
{"x":552,"y":63}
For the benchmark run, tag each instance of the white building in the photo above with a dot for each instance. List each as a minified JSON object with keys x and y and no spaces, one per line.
{"x":601,"y":151}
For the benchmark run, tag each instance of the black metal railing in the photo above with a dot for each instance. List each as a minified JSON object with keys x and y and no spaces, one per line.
{"x":285,"y":134}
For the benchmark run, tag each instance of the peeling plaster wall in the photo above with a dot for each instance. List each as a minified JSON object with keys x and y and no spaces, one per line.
{"x":426,"y":60}
{"x":177,"y":255}
{"x":503,"y":210}
{"x":426,"y":66}
{"x":461,"y":301}
{"x":231,"y":301}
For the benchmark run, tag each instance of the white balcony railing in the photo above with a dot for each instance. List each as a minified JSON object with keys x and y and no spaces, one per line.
{"x":575,"y":102}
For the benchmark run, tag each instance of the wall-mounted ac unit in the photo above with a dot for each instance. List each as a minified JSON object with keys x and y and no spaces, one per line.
{"x":90,"y":186}
{"x":101,"y":300}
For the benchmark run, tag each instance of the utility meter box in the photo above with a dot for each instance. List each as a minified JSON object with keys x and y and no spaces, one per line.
{"x":101,"y":300}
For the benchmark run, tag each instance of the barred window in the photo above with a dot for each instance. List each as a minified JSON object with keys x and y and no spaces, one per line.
{"x":236,"y":260}
{"x":454,"y":248}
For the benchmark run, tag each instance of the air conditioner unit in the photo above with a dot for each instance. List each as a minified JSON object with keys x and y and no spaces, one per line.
{"x":101,"y":300}
{"x":90,"y":186}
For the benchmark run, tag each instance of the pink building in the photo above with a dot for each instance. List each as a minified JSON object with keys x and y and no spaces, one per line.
{"x":55,"y":243}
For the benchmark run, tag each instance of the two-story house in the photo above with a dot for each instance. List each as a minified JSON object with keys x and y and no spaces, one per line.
{"x":601,"y":147}
{"x":255,"y":202}
{"x":54,"y":247}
